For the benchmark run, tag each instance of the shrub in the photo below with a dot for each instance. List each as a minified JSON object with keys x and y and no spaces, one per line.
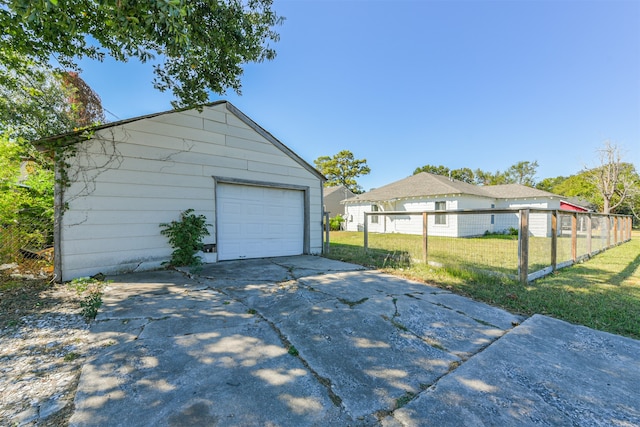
{"x":335,"y":223}
{"x":185,"y":236}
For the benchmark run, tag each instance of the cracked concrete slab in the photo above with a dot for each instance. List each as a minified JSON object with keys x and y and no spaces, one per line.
{"x":544,"y":372}
{"x":226,"y":377}
{"x":285,"y":342}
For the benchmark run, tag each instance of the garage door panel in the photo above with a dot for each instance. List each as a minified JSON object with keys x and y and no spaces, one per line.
{"x":256,"y":222}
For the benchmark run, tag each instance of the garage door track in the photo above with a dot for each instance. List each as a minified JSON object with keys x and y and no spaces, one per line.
{"x":307,"y":341}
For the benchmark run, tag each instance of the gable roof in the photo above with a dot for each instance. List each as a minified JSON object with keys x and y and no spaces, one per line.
{"x":419,"y":185}
{"x":426,"y":184}
{"x":515,"y":191}
{"x":579,"y":203}
{"x":327,"y":191}
{"x":75,"y":137}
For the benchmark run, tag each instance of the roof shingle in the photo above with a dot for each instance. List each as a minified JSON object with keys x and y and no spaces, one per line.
{"x":426,"y":184}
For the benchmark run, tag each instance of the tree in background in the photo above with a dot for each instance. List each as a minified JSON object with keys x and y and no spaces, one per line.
{"x":202,"y":44}
{"x":519,"y":173}
{"x":488,"y":178}
{"x":84,"y":106}
{"x":343,"y":169}
{"x":548,"y":184}
{"x":615,"y":180}
{"x":462,"y":174}
{"x":35,"y":102}
{"x":522,"y":173}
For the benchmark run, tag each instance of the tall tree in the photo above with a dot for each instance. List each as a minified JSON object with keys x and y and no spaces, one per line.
{"x":436,"y":170}
{"x":462,"y":174}
{"x":489,"y":178}
{"x":548,"y":184}
{"x":343,"y":169}
{"x":615,"y":180}
{"x":84,"y":106}
{"x":201,"y":44}
{"x":522,"y":173}
{"x":37,"y":101}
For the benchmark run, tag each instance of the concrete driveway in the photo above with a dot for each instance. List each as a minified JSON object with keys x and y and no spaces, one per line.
{"x":307,"y":341}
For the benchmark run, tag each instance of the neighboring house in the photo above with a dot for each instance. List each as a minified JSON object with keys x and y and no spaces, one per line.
{"x":261,"y":199}
{"x":576,"y":204}
{"x":333,"y":198}
{"x":429,"y":192}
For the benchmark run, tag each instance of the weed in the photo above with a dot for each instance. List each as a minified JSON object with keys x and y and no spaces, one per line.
{"x":251,"y":311}
{"x":352,"y":304}
{"x":293,"y":351}
{"x":404,"y":399}
{"x":90,"y":305}
{"x":81,"y":284}
{"x":71,"y":356}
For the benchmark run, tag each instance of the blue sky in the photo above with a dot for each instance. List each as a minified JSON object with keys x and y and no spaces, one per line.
{"x":478,"y":84}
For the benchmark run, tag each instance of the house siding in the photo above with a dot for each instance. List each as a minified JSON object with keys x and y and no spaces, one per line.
{"x":130,"y":178}
{"x":463,"y":225}
{"x":539,"y":223}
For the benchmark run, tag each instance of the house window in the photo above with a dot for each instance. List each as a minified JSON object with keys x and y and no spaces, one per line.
{"x":493,"y":219}
{"x":441,"y":219}
{"x":374,"y":218}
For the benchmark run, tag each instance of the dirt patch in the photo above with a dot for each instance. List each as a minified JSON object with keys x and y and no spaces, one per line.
{"x":44,"y":340}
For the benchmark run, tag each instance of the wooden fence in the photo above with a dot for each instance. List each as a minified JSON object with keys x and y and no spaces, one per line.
{"x":611,"y":230}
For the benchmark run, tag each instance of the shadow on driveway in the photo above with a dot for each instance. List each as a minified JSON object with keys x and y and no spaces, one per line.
{"x":307,"y":341}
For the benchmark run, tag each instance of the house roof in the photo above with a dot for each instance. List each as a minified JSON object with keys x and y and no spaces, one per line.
{"x":579,"y":203}
{"x":419,"y":185}
{"x":75,"y":137}
{"x":426,"y":184}
{"x":330,"y":190}
{"x":515,"y":191}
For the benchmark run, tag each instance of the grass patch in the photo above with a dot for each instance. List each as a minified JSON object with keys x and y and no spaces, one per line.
{"x":601,"y":293}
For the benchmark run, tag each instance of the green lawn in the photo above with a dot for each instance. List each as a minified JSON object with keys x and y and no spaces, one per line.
{"x":601,"y":293}
{"x":495,"y":253}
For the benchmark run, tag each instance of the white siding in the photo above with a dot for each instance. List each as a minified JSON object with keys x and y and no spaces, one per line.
{"x":539,"y":223}
{"x":456,"y":226}
{"x":355,"y":215}
{"x":130,"y":178}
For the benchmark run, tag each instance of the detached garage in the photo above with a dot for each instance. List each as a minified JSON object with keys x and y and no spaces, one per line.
{"x":127,"y":177}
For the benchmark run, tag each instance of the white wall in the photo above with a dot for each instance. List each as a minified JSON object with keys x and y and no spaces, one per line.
{"x":456,"y":226}
{"x":130,"y":178}
{"x":539,"y":223}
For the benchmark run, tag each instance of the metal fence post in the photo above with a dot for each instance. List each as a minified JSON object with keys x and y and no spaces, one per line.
{"x":523,"y":253}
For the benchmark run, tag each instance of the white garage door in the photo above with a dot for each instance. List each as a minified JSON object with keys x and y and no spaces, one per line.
{"x":256,"y":222}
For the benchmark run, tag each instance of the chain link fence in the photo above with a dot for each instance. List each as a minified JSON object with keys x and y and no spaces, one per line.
{"x":524,"y":244}
{"x":26,"y":245}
